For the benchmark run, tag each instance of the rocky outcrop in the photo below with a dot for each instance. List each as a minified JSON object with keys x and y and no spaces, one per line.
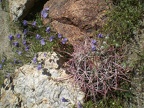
{"x":82,"y":13}
{"x":83,"y":16}
{"x":5,"y":31}
{"x":20,"y":8}
{"x":40,"y":85}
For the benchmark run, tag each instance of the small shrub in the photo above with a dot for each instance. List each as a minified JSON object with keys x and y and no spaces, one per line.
{"x":96,"y":69}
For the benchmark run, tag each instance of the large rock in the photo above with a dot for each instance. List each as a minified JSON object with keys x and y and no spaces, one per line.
{"x":19,"y":8}
{"x":49,"y":87}
{"x":81,"y":13}
{"x":85,"y":15}
{"x":5,"y":31}
{"x":73,"y":33}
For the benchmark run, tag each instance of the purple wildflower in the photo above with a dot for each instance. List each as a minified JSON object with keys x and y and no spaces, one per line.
{"x":93,"y":41}
{"x":16,"y":44}
{"x":3,"y":60}
{"x":47,"y":9}
{"x":93,"y":47}
{"x":34,"y":60}
{"x":51,"y":38}
{"x":42,"y":41}
{"x":34,"y":24}
{"x":38,"y":36}
{"x":25,"y":31}
{"x":48,"y":29}
{"x":44,"y":15}
{"x":59,"y":35}
{"x":16,"y":61}
{"x":11,"y":37}
{"x":44,"y":12}
{"x":64,"y":40}
{"x":24,"y":22}
{"x":79,"y":105}
{"x":19,"y":52}
{"x":0,"y":66}
{"x":18,"y":36}
{"x":64,"y":100}
{"x":100,"y":35}
{"x":24,"y":42}
{"x":45,"y":54}
{"x":27,"y":48}
{"x":39,"y":67}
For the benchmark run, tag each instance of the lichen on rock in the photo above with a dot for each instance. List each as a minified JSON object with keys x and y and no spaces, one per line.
{"x":49,"y":87}
{"x":20,"y":8}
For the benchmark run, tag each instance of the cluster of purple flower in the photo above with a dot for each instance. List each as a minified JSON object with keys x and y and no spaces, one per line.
{"x":34,"y":60}
{"x":64,"y":40}
{"x":48,"y":29}
{"x":39,"y":66}
{"x":100,"y":35}
{"x":93,"y":45}
{"x":51,"y":38}
{"x":11,"y":37}
{"x":34,"y":24}
{"x":16,"y":43}
{"x":25,"y":31}
{"x":25,"y":23}
{"x":94,"y":42}
{"x":44,"y":12}
{"x":24,"y":41}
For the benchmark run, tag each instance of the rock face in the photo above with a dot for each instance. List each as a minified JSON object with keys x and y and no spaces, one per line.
{"x":82,"y":16}
{"x":5,"y":31}
{"x":48,"y":87}
{"x":19,"y":8}
{"x":72,"y":32}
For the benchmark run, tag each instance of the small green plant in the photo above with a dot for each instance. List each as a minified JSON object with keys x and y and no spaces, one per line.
{"x":89,"y":104}
{"x":123,"y":20}
{"x":115,"y":99}
{"x":35,"y":38}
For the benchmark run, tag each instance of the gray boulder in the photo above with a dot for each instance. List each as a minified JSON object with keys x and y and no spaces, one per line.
{"x":46,"y":87}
